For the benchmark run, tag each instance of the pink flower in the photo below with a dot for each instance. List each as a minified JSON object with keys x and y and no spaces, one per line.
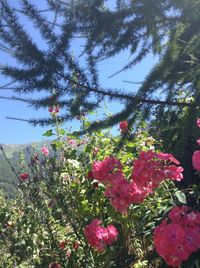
{"x":192,"y":219}
{"x":72,"y":142}
{"x":174,"y":173}
{"x":175,"y":241}
{"x":119,"y":193}
{"x":198,"y":122}
{"x":54,"y":265}
{"x":123,"y":126}
{"x":173,"y":261}
{"x":149,"y":155}
{"x":198,"y":142}
{"x":57,"y":109}
{"x":139,"y":193}
{"x":192,"y":239}
{"x":177,"y":213}
{"x":68,"y":253}
{"x":105,"y":170}
{"x":96,"y":235}
{"x":24,"y":176}
{"x":99,"y":237}
{"x":54,"y":110}
{"x":168,"y":240}
{"x":174,"y":233}
{"x":196,"y":160}
{"x":112,"y":234}
{"x":152,"y":168}
{"x":148,"y":171}
{"x":50,"y":109}
{"x":167,"y":157}
{"x":45,"y":151}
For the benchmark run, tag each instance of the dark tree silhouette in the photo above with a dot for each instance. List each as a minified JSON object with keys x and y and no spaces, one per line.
{"x":168,"y":99}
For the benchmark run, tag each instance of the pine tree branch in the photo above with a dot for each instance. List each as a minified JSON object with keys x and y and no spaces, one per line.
{"x":18,"y":38}
{"x":144,"y":51}
{"x":10,"y":88}
{"x":116,"y":94}
{"x":15,"y":99}
{"x":39,"y":10}
{"x":6,"y":49}
{"x":8,"y":84}
{"x":54,"y":20}
{"x":18,"y":119}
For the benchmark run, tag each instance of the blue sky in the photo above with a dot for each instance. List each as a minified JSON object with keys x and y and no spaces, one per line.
{"x":17,"y":132}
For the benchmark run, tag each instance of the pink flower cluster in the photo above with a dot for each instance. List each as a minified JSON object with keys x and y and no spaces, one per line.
{"x":196,"y":155}
{"x":196,"y":160}
{"x":98,"y":236}
{"x":45,"y":151}
{"x":176,"y":240}
{"x":152,"y":168}
{"x":148,"y":171}
{"x":120,"y":193}
{"x":72,"y":142}
{"x":54,"y":110}
{"x":107,"y":170}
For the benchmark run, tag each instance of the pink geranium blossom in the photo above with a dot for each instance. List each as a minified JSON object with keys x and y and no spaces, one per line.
{"x":98,"y":236}
{"x":196,"y":160}
{"x":112,"y":234}
{"x":45,"y":151}
{"x":149,"y":170}
{"x":119,"y":194}
{"x":72,"y":142}
{"x":175,"y":241}
{"x":152,"y":168}
{"x":105,"y":170}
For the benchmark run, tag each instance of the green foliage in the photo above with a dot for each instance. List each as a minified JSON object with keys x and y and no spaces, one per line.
{"x":48,"y":133}
{"x":58,"y":200}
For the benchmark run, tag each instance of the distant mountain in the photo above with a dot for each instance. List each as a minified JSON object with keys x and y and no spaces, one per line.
{"x":8,"y":180}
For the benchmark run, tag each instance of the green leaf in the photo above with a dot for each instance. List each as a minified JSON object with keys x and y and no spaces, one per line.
{"x":57,"y":145}
{"x":61,"y":131}
{"x":48,"y":133}
{"x":181,"y":197}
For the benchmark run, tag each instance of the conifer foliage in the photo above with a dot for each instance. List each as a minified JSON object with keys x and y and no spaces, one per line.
{"x":168,"y":28}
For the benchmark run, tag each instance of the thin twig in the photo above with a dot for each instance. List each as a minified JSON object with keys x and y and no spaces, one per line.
{"x":132,"y":82}
{"x":15,"y":99}
{"x":8,"y":84}
{"x":42,"y":10}
{"x":18,"y":119}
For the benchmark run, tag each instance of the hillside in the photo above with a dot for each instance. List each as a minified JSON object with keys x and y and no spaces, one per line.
{"x":8,"y":180}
